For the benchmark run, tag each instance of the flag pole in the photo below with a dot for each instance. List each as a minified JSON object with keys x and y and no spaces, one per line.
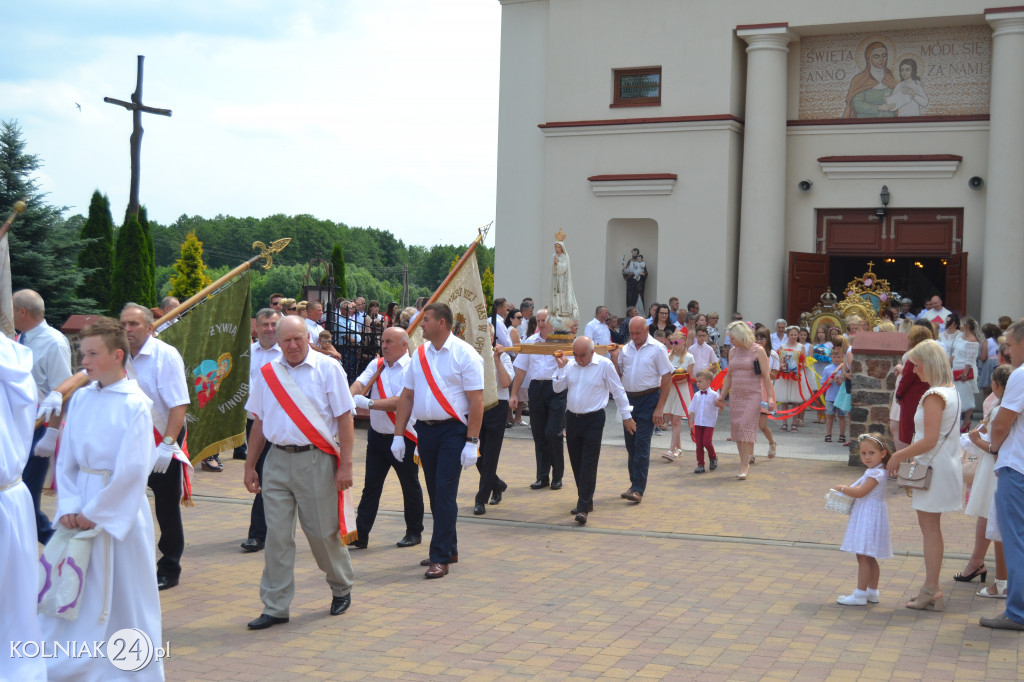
{"x":76,"y":381}
{"x":481,"y":232}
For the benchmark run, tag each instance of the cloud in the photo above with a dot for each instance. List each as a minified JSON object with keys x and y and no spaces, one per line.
{"x":380,"y":113}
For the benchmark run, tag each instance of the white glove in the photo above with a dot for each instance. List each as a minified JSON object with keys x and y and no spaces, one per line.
{"x":361,"y":401}
{"x":47,"y":445}
{"x":398,"y":448}
{"x":164,"y":455}
{"x":50,"y":406}
{"x":469,"y":455}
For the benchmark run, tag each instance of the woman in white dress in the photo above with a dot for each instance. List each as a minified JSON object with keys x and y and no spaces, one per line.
{"x":963,"y":356}
{"x":935,"y":424}
{"x":564,"y":310}
{"x":106,"y":456}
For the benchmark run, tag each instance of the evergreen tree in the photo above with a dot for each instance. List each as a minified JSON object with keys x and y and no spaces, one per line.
{"x":190,"y":273}
{"x":487,"y":284}
{"x":43,"y":249}
{"x":131,"y":280}
{"x":338,"y":265}
{"x":151,"y":261}
{"x":96,"y":260}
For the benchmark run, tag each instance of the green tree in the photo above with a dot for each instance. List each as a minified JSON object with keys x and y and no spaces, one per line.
{"x":190,"y":272}
{"x":151,"y":249}
{"x":487,"y":284}
{"x":43,"y":246}
{"x":338,"y":265}
{"x":96,"y":260}
{"x":132,"y":280}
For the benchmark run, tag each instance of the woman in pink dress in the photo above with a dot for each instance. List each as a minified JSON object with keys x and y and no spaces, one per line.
{"x":748,"y":374}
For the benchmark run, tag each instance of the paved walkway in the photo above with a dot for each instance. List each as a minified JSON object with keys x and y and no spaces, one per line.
{"x":710,"y":578}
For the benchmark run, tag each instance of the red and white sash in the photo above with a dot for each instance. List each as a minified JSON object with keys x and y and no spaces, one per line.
{"x":409,"y":433}
{"x":438,"y":395}
{"x":298,"y":408}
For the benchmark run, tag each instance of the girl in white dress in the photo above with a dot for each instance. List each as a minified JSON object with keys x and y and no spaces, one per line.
{"x":934,"y":423}
{"x":106,"y":456}
{"x":789,"y":390}
{"x":867,"y":533}
{"x":680,"y":393}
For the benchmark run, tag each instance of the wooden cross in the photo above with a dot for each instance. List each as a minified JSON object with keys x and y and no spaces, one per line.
{"x":136,"y":107}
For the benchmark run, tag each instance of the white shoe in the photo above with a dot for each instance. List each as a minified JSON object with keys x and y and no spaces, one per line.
{"x":1000,"y":590}
{"x":872,"y":596}
{"x":670,"y":456}
{"x":854,"y":599}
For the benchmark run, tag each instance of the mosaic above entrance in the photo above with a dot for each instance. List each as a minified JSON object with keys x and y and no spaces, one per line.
{"x":896,"y":74}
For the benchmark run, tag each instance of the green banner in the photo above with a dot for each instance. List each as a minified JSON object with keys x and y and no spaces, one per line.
{"x":214,"y":338}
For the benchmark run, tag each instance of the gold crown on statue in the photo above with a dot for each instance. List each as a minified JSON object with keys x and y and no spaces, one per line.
{"x":559,"y":236}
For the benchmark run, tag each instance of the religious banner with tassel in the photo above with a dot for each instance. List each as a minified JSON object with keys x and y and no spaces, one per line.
{"x":214,"y":339}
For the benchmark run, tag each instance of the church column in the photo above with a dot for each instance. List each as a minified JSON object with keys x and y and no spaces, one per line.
{"x":1003,"y":275}
{"x":762,"y":251}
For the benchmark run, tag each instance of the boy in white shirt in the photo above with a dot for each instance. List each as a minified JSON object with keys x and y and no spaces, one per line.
{"x":703,"y":416}
{"x":704,"y":355}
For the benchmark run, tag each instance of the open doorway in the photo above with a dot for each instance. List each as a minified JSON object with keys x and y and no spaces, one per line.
{"x":916,"y":278}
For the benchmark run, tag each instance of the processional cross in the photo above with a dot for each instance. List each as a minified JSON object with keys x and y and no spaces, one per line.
{"x":136,"y":107}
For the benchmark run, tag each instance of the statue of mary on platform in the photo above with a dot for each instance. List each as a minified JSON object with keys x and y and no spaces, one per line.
{"x":564,"y":311}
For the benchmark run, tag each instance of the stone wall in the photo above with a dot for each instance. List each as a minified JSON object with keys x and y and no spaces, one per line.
{"x":875,"y":354}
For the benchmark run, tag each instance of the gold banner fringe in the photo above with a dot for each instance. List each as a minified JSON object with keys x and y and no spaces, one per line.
{"x":212,"y":449}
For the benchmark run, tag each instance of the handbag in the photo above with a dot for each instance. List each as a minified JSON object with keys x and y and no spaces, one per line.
{"x":970,"y":457}
{"x":838,"y":502}
{"x":62,"y":569}
{"x":965,"y":374}
{"x":917,"y":475}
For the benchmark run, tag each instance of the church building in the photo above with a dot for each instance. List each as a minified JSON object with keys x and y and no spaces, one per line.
{"x":757,"y":153}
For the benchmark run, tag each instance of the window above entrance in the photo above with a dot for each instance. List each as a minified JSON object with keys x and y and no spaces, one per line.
{"x":637,"y":87}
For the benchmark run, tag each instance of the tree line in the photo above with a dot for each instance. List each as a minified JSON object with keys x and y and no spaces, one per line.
{"x":86,"y":265}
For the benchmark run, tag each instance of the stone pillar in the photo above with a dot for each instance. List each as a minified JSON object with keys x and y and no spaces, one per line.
{"x":762,"y":250}
{"x":875,"y":354}
{"x":1004,"y":211}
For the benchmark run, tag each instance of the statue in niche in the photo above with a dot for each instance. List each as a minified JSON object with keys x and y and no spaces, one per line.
{"x":634,"y":272}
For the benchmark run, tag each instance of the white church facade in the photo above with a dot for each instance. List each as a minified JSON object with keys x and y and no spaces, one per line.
{"x":757,"y":153}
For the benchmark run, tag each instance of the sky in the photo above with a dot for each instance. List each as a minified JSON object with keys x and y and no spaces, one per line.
{"x":374,"y":113}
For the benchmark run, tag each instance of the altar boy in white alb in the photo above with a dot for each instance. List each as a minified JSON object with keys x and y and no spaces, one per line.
{"x":106,"y":456}
{"x":18,"y":555}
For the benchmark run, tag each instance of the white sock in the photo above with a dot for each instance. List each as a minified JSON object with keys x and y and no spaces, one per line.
{"x":859,"y":593}
{"x":872,"y":595}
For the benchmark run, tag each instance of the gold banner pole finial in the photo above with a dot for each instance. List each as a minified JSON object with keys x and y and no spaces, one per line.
{"x":267,"y":252}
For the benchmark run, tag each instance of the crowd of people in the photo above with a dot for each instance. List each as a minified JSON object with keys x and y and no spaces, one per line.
{"x":427,"y":407}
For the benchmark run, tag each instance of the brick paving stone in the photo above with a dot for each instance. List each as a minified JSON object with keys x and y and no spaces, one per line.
{"x":708,"y":578}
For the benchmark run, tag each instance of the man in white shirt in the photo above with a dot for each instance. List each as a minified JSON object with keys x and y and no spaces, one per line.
{"x":314,"y":309}
{"x":1007,"y":443}
{"x":935,"y":312}
{"x":444,"y":392}
{"x":547,"y":407}
{"x":51,"y":365}
{"x":526,"y":309}
{"x":168,"y":304}
{"x":780,"y":337}
{"x":646,"y":374}
{"x":160,"y":371}
{"x":588,"y":379}
{"x":499,"y":311}
{"x":387,"y":374}
{"x":597,"y":329}
{"x":299,"y":476}
{"x":263,"y":350}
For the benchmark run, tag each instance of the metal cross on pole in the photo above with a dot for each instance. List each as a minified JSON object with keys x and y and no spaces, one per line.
{"x":137,"y":108}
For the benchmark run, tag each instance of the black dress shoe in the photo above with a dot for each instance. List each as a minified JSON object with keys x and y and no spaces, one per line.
{"x":265,"y":621}
{"x":339,"y":605}
{"x":556,"y":484}
{"x":581,"y":518}
{"x":496,"y":495}
{"x":479,"y":509}
{"x":165,"y":583}
{"x":252,"y":544}
{"x":359,"y":543}
{"x":539,"y":483}
{"x":409,"y":540}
